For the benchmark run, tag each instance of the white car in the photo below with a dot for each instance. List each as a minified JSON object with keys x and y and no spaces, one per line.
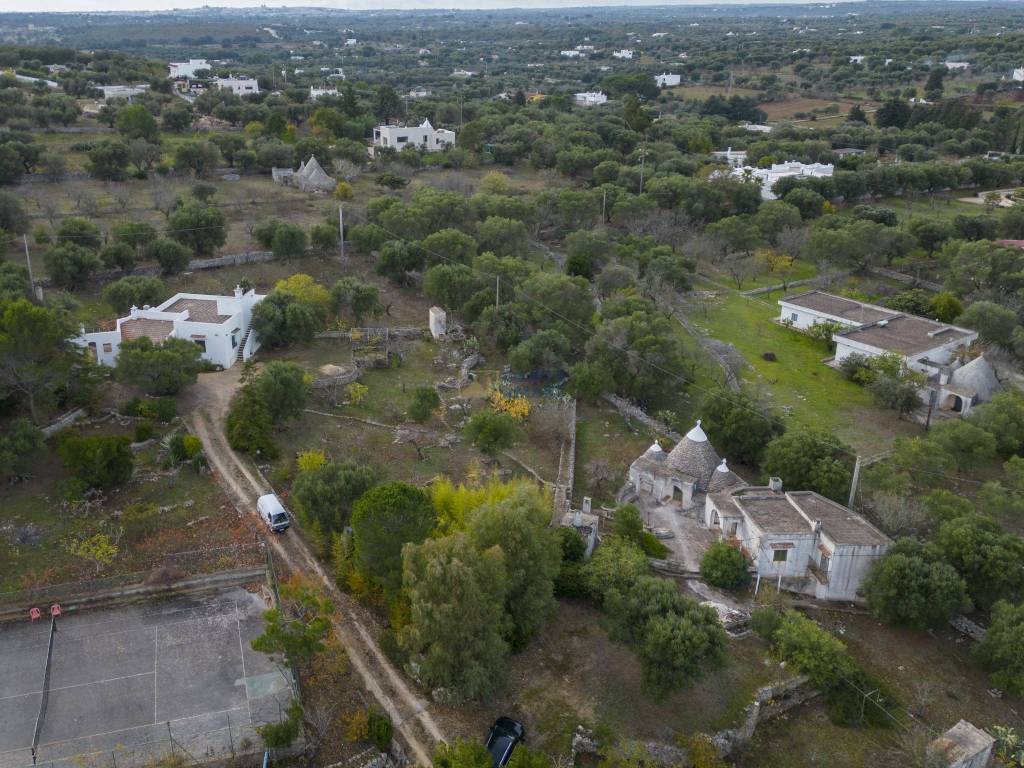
{"x":273,"y":512}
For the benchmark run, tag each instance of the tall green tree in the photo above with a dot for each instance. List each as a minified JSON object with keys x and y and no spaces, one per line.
{"x":740,"y":424}
{"x":326,"y":495}
{"x":455,"y":634}
{"x":201,"y":228}
{"x":282,"y":386}
{"x":812,"y":460}
{"x":519,"y":525}
{"x":158,"y":369}
{"x":384,"y":519}
{"x":905,"y":589}
{"x":35,"y":356}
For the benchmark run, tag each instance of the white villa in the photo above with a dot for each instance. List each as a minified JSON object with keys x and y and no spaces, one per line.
{"x":665,"y":80}
{"x":240,"y":86}
{"x":937,"y":350}
{"x":797,"y":539}
{"x":219,"y":325}
{"x":571,"y":54}
{"x":589,"y":98}
{"x":187,"y":68}
{"x":424,"y":136}
{"x":1018,"y":75}
{"x":768,"y":176}
{"x":126,"y":92}
{"x":625,"y":53}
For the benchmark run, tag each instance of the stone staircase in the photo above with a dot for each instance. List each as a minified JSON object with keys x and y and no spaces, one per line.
{"x":240,"y":355}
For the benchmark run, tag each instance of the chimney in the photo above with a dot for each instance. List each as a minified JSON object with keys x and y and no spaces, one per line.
{"x":577,"y":519}
{"x":133,"y":312}
{"x":238,"y":291}
{"x":586,"y":505}
{"x":775,"y":484}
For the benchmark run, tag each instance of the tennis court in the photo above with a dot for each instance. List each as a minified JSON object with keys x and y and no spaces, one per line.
{"x":125,"y":683}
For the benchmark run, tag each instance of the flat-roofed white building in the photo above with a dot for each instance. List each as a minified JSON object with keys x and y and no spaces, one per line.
{"x":218,"y":325}
{"x":590,"y":98}
{"x":666,"y":80}
{"x":736,"y":158}
{"x":625,"y":53}
{"x":316,"y":93}
{"x":240,"y":86}
{"x":423,"y":136}
{"x":187,"y":68}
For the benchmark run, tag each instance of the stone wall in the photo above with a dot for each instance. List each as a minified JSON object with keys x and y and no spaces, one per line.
{"x":566,"y":466}
{"x":631,"y":412}
{"x":769,"y":701}
{"x":63,"y":422}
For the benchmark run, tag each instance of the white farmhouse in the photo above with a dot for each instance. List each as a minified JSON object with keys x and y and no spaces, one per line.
{"x":126,"y":92}
{"x":666,"y":80}
{"x":625,"y":53}
{"x":316,"y":93}
{"x":797,"y":539}
{"x":957,"y":66}
{"x":188,"y":68}
{"x":936,"y":350}
{"x":1018,"y":75}
{"x":590,"y":98}
{"x":769,"y":176}
{"x":419,"y":93}
{"x":857,"y":59}
{"x":423,"y":136}
{"x":240,"y":86}
{"x":734,"y":158}
{"x":219,"y":326}
{"x":571,"y":54}
{"x":757,"y":128}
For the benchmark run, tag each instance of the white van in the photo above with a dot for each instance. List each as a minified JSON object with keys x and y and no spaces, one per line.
{"x":272,"y":511}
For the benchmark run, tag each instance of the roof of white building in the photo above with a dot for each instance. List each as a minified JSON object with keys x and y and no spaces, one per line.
{"x":199,"y":310}
{"x":906,"y":334}
{"x":838,"y":306}
{"x":976,"y":378}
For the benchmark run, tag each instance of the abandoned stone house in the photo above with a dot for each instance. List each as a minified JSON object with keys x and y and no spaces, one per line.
{"x":955,"y":378}
{"x":798,"y":539}
{"x":310,"y":177}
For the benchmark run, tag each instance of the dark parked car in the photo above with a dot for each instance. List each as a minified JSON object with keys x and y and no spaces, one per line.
{"x":504,"y":735}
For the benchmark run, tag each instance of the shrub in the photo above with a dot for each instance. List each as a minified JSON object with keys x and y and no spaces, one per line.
{"x":379,"y":729}
{"x":100,"y":461}
{"x":724,"y":566}
{"x":144,"y":430}
{"x":765,"y":621}
{"x":425,"y":401}
{"x":184,"y":447}
{"x":249,"y":427}
{"x":492,"y":432}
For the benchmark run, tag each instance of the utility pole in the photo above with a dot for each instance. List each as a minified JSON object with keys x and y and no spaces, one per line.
{"x":853,"y":483}
{"x":643,"y":158}
{"x":497,"y":291}
{"x":28,"y":260}
{"x":341,"y":229}
{"x":604,"y":205}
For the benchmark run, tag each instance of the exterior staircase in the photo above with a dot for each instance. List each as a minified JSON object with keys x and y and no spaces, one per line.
{"x":239,"y":356}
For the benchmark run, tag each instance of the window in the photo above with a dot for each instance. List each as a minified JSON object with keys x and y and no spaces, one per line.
{"x":794,"y":316}
{"x":402,"y":139}
{"x":234,"y":341}
{"x":107,"y":347}
{"x":780,"y":555}
{"x":201,"y":343}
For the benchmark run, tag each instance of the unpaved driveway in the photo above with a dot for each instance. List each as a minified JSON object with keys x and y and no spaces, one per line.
{"x":207,"y":401}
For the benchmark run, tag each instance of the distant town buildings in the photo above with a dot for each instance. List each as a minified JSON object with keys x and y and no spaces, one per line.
{"x":589,"y":98}
{"x":423,"y":136}
{"x":187,"y":68}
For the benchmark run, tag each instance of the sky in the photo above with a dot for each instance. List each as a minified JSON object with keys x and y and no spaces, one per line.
{"x":361,"y":5}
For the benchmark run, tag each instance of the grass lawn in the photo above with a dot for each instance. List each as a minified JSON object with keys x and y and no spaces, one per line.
{"x":801,"y":270}
{"x":946,"y":207}
{"x":797,"y":382}
{"x":572,"y":674}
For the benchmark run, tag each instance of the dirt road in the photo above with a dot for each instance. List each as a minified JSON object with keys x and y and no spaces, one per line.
{"x":207,"y":404}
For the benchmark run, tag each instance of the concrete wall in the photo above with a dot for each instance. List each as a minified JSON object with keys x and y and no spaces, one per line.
{"x":805,"y":318}
{"x":848,"y":567}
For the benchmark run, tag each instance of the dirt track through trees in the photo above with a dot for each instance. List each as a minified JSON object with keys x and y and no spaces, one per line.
{"x":209,"y":400}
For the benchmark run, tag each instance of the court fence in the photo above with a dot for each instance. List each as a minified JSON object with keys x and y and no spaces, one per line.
{"x":165,"y":571}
